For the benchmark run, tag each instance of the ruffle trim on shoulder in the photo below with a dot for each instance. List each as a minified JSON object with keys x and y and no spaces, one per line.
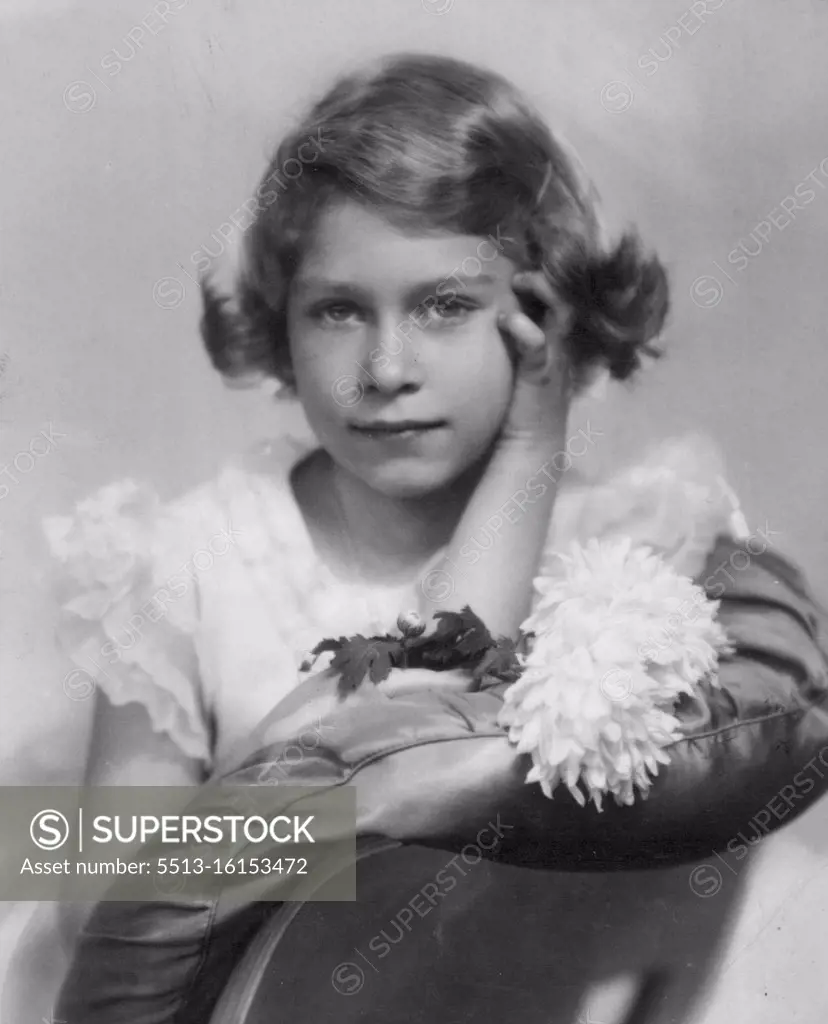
{"x":129,"y":605}
{"x":103,"y":543}
{"x":675,"y":501}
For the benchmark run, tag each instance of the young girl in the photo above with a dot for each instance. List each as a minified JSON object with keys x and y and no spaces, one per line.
{"x":426,"y":276}
{"x":433,"y":287}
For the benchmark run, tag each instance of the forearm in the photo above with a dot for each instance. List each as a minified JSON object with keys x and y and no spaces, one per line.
{"x":493,"y":556}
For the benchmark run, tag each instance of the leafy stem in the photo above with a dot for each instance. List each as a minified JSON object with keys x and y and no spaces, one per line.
{"x":460,"y":640}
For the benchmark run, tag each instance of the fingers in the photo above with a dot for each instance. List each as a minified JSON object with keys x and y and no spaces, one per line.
{"x":537,"y":348}
{"x":531,"y":346}
{"x":528,"y":339}
{"x":535,"y":285}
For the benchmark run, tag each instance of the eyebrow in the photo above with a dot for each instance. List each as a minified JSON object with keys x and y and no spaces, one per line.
{"x":423,"y":288}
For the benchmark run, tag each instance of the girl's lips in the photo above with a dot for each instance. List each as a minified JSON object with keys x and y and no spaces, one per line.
{"x":404,"y":429}
{"x":401,"y":427}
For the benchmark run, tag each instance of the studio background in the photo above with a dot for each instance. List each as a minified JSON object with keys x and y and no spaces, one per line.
{"x":695,"y":125}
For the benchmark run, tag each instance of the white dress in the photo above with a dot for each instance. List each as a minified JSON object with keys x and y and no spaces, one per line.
{"x":203,"y":609}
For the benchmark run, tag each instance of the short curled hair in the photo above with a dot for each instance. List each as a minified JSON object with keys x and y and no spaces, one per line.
{"x":435,"y":143}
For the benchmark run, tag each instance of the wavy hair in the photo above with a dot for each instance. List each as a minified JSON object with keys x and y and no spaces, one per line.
{"x":436,"y":143}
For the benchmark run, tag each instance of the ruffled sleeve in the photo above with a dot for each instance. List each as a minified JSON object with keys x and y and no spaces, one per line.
{"x":128,"y":597}
{"x":675,"y":500}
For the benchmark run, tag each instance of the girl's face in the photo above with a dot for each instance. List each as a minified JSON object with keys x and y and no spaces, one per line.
{"x":399,"y":363}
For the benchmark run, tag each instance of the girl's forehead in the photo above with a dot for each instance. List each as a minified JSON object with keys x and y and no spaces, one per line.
{"x":353,"y":243}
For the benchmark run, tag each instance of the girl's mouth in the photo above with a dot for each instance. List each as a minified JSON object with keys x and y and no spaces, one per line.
{"x":392,"y":430}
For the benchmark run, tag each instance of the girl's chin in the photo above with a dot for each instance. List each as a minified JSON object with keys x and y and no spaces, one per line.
{"x":409,"y":478}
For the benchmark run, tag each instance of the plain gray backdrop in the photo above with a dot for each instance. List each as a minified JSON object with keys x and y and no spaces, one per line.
{"x":130,"y":138}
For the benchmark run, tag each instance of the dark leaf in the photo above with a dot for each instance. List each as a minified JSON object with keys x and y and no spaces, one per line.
{"x":329,"y":645}
{"x":459,"y":640}
{"x":442,"y":656}
{"x":500,"y":661}
{"x":463,"y":631}
{"x":383,"y":661}
{"x":362,"y":656}
{"x":415,"y":645}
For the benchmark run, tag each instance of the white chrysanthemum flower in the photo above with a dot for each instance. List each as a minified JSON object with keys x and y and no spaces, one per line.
{"x":619,"y":636}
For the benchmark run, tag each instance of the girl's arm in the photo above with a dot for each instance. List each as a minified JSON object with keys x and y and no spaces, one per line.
{"x":497,"y":582}
{"x":125,"y":751}
{"x":515,"y":497}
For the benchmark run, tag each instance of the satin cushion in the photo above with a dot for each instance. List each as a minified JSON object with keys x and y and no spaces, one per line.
{"x":434,"y":769}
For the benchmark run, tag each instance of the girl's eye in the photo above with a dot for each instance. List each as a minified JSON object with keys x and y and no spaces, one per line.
{"x":447,"y":310}
{"x":338,"y":312}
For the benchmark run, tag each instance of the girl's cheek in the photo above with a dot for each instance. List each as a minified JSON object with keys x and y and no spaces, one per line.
{"x":329,"y":373}
{"x":475,"y":376}
{"x":485,"y":347}
{"x":318,"y":352}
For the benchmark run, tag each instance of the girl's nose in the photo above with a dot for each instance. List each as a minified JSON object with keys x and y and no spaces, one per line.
{"x":392,"y":363}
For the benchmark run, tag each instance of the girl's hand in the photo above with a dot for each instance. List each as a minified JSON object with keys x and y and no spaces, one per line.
{"x":497,"y":581}
{"x":540,"y":401}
